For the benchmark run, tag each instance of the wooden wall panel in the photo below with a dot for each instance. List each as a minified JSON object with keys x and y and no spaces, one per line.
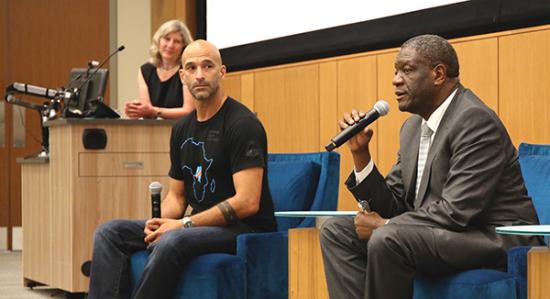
{"x":328,"y":104}
{"x":389,"y":125}
{"x":232,"y":86}
{"x":247,"y":90}
{"x":524,"y":89}
{"x":63,"y":34}
{"x":287,"y":103}
{"x":165,"y":10}
{"x":357,"y":83}
{"x":479,"y":68}
{"x":5,"y":118}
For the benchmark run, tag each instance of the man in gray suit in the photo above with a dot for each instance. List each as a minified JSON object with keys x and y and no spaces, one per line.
{"x":457,"y":177}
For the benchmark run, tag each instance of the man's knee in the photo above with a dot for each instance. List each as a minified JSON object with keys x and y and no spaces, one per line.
{"x":167,"y":245}
{"x":108,"y":229}
{"x":115,"y":229}
{"x":383,"y":238}
{"x":334,"y":227}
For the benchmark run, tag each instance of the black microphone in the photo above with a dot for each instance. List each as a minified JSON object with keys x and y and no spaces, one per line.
{"x":33,"y":90}
{"x":90,"y":64}
{"x":155,"y":188}
{"x":380,"y":108}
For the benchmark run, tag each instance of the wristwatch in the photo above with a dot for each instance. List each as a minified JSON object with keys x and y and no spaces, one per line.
{"x":187,"y":222}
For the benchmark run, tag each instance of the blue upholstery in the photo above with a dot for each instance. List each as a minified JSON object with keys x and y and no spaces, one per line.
{"x":201,"y":274}
{"x":484,"y":283}
{"x":535,"y":167}
{"x":472,"y":284}
{"x":304,"y":181}
{"x":294,"y":191}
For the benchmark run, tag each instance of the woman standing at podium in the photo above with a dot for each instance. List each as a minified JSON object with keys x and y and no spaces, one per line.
{"x":161,"y":93}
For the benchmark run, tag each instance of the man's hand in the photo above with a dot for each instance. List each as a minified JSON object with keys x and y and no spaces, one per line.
{"x":366,"y":223}
{"x":358,"y":144}
{"x":156,"y":227}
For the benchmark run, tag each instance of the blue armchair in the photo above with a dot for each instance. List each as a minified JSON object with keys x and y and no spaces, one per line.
{"x":486,"y":283}
{"x":304,"y":181}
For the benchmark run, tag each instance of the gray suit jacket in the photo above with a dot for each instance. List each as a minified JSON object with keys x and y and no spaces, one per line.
{"x":471,"y":183}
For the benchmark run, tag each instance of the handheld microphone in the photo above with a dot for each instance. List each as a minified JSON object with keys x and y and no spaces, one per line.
{"x":91,"y":64}
{"x":33,"y":90}
{"x":155,"y":188}
{"x":380,"y":108}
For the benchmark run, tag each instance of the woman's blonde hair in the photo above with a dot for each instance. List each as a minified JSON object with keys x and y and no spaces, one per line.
{"x":165,"y":29}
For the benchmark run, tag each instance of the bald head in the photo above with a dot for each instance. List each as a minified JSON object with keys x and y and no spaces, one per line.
{"x":202,"y":70}
{"x":202,"y":48}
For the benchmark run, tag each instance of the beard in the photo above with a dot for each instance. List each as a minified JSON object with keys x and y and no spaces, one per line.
{"x":205,"y":93}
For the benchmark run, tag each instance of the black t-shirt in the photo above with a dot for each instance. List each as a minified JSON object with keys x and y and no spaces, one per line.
{"x":167,"y":94}
{"x":205,"y":155}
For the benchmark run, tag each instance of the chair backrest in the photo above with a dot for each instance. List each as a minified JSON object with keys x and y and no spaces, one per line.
{"x":303,"y":182}
{"x":535,"y":167}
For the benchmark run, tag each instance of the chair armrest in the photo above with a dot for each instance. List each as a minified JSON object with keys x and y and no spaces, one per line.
{"x":266,"y":258}
{"x":517,"y":266}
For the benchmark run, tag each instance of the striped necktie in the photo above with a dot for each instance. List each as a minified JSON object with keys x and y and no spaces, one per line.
{"x":425,"y":140}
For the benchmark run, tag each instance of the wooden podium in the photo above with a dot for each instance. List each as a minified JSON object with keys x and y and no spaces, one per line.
{"x":65,"y":197}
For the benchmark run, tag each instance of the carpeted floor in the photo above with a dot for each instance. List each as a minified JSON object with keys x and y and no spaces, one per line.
{"x":11,"y":280}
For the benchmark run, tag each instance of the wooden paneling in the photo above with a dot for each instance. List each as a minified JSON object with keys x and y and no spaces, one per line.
{"x":36,"y":220}
{"x":287,"y":102}
{"x":357,"y":84}
{"x":123,"y":164}
{"x":524,"y":89}
{"x":232,"y":86}
{"x":75,"y":204}
{"x":389,"y":125}
{"x":165,"y":10}
{"x":328,"y":104}
{"x":306,"y":274}
{"x":479,"y":68}
{"x":247,"y":90}
{"x":4,"y":121}
{"x":240,"y":87}
{"x":45,"y":40}
{"x":538,"y":266}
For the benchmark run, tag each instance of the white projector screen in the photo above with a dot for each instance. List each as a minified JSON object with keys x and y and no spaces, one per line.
{"x":237,"y":22}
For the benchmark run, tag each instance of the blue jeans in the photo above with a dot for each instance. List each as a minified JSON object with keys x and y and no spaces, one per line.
{"x":116,"y":241}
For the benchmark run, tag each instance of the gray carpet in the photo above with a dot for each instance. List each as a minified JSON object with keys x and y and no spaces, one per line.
{"x":11,"y":280}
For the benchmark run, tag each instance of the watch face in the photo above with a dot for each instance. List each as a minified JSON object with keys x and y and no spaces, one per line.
{"x":188,"y":223}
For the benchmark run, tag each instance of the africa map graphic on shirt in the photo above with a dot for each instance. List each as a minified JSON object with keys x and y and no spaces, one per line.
{"x":201,"y":179}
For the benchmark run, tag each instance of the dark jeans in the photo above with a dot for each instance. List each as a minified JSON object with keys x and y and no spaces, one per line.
{"x":116,"y":241}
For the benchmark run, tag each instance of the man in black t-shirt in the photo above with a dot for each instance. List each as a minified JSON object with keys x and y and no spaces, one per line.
{"x":218,"y":159}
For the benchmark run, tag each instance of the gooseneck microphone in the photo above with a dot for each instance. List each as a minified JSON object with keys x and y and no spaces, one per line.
{"x":380,"y":108}
{"x":93,"y":63}
{"x":155,"y":188}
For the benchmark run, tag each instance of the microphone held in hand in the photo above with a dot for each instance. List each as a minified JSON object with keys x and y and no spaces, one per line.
{"x":155,"y":188}
{"x":380,"y":108}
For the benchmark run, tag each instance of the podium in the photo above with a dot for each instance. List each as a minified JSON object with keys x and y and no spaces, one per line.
{"x":66,"y":196}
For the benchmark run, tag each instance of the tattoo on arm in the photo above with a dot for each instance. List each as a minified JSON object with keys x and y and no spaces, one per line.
{"x":228,"y":212}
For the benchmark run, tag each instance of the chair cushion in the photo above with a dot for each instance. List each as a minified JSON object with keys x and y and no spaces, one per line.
{"x":216,"y":276}
{"x":471,"y":284}
{"x":292,"y":186}
{"x":535,"y":167}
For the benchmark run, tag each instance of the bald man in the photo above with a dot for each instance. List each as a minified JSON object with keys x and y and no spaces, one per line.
{"x":218,"y":157}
